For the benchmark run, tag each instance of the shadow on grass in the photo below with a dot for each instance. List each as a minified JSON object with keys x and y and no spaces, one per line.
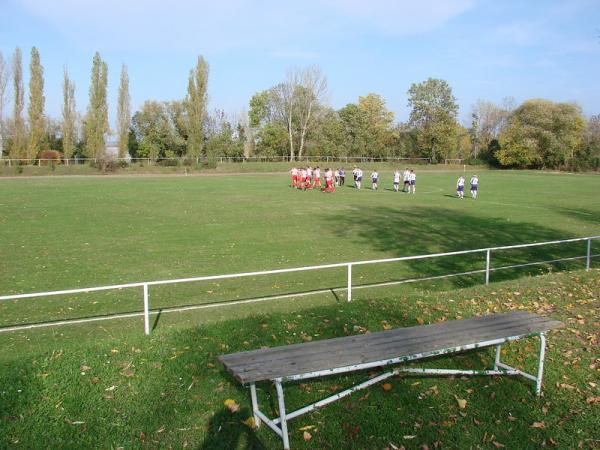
{"x":419,"y":231}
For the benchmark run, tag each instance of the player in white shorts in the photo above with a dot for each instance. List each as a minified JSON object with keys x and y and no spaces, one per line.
{"x":460,"y":187}
{"x":406,"y":176}
{"x":358,"y":180}
{"x":474,"y":185}
{"x":412,"y":182}
{"x":374,"y":180}
{"x":396,"y":180}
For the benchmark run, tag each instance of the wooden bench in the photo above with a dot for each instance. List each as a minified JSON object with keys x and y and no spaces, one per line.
{"x":352,"y":353}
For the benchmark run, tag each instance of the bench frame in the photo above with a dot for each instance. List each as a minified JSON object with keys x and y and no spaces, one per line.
{"x":279,"y":424}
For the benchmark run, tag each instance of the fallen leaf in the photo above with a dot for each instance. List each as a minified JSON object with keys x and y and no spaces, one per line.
{"x":462,"y":403}
{"x":592,"y":400}
{"x":127,"y":372}
{"x":498,"y":444}
{"x":307,"y":427}
{"x":307,"y":436}
{"x":84,"y":368}
{"x":231,"y":405}
{"x":538,"y":425}
{"x":94,"y":380}
{"x":249,"y":422}
{"x":409,"y":436}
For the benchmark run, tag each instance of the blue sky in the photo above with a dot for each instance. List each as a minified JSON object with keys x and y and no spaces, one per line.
{"x":484,"y":49}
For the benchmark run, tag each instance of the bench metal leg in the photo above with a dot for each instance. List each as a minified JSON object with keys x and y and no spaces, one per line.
{"x":284,"y":431}
{"x":540,"y":373}
{"x":254,"y":405}
{"x":498,"y":353}
{"x":535,"y":378}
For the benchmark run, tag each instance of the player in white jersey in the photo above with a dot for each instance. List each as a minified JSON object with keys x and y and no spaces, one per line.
{"x":412,"y":182}
{"x":317,"y":173}
{"x":294,"y":173}
{"x":396,"y":179}
{"x":329,"y":181}
{"x":406,"y":177}
{"x":309,"y":175}
{"x":358,"y":180}
{"x":460,"y":187}
{"x":474,"y":185}
{"x":374,"y":180}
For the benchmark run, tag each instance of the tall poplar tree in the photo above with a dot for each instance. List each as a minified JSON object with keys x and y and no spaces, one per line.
{"x":123,"y":112}
{"x":69,"y":114}
{"x":18,"y":146}
{"x":196,"y":107}
{"x":3,"y":84}
{"x":35,"y":109}
{"x":96,"y":120}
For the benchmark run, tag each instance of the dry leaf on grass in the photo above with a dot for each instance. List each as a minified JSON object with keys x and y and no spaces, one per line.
{"x":127,"y":372}
{"x":307,"y":436}
{"x":249,"y":422}
{"x":231,"y":405}
{"x":538,"y":425}
{"x":462,"y":403}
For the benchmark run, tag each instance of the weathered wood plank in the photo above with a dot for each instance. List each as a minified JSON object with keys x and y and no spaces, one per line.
{"x":346,"y":351}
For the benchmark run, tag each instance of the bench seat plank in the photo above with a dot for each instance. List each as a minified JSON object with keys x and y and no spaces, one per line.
{"x":297,"y":359}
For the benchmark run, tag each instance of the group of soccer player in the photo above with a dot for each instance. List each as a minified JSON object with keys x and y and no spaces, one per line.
{"x":460,"y":187}
{"x":310,"y":178}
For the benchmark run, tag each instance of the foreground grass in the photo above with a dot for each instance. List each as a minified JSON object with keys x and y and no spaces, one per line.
{"x":110,"y":390}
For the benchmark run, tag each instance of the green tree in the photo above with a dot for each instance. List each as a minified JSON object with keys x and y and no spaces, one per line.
{"x":327,"y":137}
{"x":541,"y":133}
{"x":368,"y":126}
{"x":96,"y":120}
{"x":196,"y":107}
{"x":35,"y":110}
{"x":123,"y":112}
{"x":272,"y":140}
{"x":433,"y":114}
{"x":19,"y":138}
{"x":3,"y":83}
{"x":68,"y":115}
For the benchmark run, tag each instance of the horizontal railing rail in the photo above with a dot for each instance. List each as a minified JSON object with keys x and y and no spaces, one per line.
{"x":348,"y":265}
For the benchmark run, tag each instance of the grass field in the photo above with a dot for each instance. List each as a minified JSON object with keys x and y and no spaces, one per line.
{"x":60,"y":233}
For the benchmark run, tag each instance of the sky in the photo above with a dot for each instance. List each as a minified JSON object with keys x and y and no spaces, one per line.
{"x":484,"y":49}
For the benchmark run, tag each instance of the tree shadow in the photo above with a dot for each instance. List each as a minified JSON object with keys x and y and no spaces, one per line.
{"x":226,"y":431}
{"x":426,"y":230}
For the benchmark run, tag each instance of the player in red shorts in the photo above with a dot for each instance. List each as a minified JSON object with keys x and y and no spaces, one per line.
{"x":303,"y":178}
{"x":294,"y":173}
{"x":317,"y":174}
{"x":309,"y":175}
{"x":329,"y":181}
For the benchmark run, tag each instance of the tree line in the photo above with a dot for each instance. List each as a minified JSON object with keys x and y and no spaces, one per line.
{"x":293,"y":119}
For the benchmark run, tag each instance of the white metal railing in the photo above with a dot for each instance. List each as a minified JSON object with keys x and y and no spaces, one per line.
{"x":349,"y":265}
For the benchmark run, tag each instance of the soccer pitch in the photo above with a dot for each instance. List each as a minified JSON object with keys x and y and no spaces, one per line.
{"x":62,"y":233}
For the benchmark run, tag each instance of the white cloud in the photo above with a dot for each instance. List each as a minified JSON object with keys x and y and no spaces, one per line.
{"x":212,"y":26}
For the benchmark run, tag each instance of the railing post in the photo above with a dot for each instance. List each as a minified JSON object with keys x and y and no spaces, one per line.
{"x":146,"y":310}
{"x":588,"y":259}
{"x":349,"y":282}
{"x":488,"y":257}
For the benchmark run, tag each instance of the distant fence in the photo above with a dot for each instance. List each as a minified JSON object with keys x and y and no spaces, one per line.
{"x":145,"y":285}
{"x":201,"y":159}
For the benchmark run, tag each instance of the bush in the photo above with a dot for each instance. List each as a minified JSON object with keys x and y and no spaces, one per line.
{"x":105,"y":165}
{"x":48,"y":157}
{"x":169,"y":162}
